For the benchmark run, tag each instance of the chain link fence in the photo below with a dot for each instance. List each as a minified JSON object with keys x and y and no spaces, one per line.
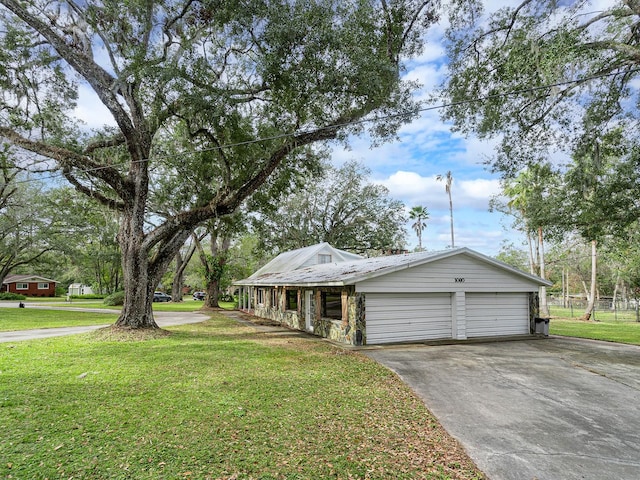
{"x":604,"y":310}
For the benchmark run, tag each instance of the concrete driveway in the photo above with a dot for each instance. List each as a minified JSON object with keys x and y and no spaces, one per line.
{"x":555,"y":408}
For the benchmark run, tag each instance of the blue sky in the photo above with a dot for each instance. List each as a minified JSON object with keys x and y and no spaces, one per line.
{"x":427,"y":147}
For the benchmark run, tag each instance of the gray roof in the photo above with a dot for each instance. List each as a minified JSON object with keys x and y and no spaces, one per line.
{"x":294,"y":259}
{"x":26,"y":279}
{"x":351,"y":272}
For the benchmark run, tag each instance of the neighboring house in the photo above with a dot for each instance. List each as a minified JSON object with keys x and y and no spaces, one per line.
{"x":454,"y":294}
{"x":79,"y":289}
{"x":29,"y":285}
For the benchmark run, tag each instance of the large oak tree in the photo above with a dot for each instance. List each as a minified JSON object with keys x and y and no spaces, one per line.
{"x":544,"y":76}
{"x":244,"y":84}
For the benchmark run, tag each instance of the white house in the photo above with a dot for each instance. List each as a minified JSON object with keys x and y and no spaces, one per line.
{"x":453,"y":294}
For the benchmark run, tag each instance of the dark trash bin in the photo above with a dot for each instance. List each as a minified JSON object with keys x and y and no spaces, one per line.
{"x":542,"y":326}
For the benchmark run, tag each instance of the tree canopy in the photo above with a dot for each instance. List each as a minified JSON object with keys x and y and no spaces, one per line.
{"x":241,"y":88}
{"x":340,"y":207}
{"x":544,"y":75}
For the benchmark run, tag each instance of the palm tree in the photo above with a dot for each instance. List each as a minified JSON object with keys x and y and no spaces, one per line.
{"x":449,"y":179}
{"x":420,"y":215}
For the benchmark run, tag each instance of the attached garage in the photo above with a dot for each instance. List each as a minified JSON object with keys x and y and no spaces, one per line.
{"x":496,"y":314}
{"x":456,"y":294}
{"x":408,"y":317}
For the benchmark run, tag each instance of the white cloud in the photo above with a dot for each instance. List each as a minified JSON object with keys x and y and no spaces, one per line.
{"x":91,"y":110}
{"x":415,"y":189}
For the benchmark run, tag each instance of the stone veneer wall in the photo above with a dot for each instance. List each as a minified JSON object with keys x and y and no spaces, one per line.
{"x":350,"y":330}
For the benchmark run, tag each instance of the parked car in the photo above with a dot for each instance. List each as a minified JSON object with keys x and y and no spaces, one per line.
{"x":161,"y":297}
{"x":198,"y":295}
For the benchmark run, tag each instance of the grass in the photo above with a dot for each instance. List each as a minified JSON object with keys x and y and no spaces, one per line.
{"x":31,"y":318}
{"x":188,"y":305}
{"x":622,"y":332}
{"x":212,"y":400}
{"x":12,"y":319}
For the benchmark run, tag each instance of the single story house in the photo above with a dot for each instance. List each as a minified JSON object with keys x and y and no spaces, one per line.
{"x":453,"y":294}
{"x":29,"y":285}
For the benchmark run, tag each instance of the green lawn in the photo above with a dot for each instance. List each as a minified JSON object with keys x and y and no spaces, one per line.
{"x":188,"y":305}
{"x":623,"y":332}
{"x":30,"y":318}
{"x":212,"y":400}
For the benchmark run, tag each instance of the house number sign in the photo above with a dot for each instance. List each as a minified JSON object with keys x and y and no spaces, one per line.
{"x":459,"y":280}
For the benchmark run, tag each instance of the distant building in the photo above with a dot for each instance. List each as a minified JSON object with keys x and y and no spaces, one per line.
{"x":79,"y":289}
{"x":29,"y":285}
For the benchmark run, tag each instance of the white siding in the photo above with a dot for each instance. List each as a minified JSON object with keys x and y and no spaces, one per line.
{"x":407,"y":317}
{"x":494,"y":314}
{"x":459,"y":273}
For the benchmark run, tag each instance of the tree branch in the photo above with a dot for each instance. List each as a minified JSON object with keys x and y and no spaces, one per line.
{"x":102,"y":82}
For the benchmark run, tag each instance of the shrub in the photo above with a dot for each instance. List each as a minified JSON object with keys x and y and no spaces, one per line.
{"x":11,"y":296}
{"x":114,"y":299}
{"x":89,"y":296}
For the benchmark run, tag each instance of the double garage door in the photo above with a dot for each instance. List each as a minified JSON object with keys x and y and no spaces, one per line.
{"x":428,"y":316}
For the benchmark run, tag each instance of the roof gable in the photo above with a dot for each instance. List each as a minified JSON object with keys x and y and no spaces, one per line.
{"x":26,"y":279}
{"x":304,"y":257}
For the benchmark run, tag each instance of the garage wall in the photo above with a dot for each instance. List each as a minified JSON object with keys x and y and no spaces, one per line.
{"x":456,"y":273}
{"x":407,"y":317}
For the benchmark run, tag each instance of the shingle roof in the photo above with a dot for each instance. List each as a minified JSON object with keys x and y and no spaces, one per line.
{"x":350,"y":272}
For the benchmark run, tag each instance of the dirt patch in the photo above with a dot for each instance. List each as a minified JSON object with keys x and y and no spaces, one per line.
{"x":125,"y":334}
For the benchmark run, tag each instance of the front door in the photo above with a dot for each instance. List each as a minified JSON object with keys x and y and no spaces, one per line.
{"x":308,"y":311}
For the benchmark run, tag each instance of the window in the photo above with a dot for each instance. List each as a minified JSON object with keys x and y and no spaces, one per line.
{"x":261,"y":296}
{"x":274,"y":297}
{"x":43,"y":286}
{"x":292,"y":299}
{"x":22,"y":286}
{"x":332,"y":305}
{"x":324,"y":258}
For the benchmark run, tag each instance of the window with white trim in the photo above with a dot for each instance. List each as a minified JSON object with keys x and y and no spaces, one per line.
{"x":43,"y":286}
{"x":22,"y":286}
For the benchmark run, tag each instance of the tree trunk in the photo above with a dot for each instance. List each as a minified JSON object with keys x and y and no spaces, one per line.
{"x":453,"y":243}
{"x":178,"y":279}
{"x":616,"y":289}
{"x":137,"y":311}
{"x":213,"y":294}
{"x":217,"y":269}
{"x":532,"y":268}
{"x":544,"y":307}
{"x":592,"y":296}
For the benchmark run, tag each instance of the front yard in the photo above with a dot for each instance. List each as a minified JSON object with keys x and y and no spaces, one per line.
{"x":212,"y":400}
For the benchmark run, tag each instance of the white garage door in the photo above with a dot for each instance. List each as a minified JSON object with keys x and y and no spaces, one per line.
{"x":494,"y":314}
{"x":407,"y":317}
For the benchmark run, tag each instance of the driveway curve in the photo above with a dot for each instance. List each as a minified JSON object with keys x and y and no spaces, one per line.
{"x":163,"y":319}
{"x":550,"y":409}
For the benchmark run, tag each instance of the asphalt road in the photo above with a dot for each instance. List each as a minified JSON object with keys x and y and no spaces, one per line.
{"x":547,"y":409}
{"x":163,"y":319}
